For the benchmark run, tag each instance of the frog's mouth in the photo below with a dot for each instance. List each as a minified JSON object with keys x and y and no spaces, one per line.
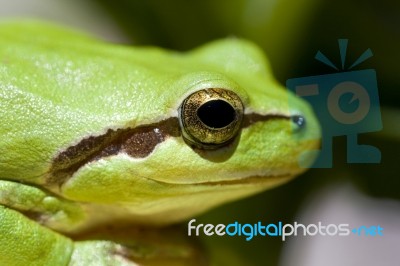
{"x":138,"y":142}
{"x":250,"y":180}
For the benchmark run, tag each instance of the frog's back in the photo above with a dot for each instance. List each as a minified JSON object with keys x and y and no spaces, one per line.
{"x":58,"y":86}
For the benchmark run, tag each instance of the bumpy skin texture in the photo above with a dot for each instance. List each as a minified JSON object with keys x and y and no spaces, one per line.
{"x":58,"y":87}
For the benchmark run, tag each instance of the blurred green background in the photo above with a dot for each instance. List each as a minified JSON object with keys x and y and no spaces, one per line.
{"x":290,"y":32}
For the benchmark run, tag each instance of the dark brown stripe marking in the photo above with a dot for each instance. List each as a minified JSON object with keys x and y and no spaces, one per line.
{"x":252,"y":118}
{"x":137,"y":142}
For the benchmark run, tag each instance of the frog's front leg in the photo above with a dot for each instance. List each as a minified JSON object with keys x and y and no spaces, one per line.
{"x":29,"y":214}
{"x":25,"y":213}
{"x":25,"y":242}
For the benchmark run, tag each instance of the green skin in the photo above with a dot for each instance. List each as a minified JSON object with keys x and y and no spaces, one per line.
{"x":59,"y":87}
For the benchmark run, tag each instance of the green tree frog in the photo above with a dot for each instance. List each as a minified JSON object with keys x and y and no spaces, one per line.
{"x":104,"y":138}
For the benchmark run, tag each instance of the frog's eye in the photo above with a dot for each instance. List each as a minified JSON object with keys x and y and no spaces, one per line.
{"x":210,"y":118}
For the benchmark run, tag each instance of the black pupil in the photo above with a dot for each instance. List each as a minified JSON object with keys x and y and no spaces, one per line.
{"x":216,"y":113}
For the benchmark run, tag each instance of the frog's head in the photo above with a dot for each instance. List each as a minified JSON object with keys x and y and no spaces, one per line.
{"x":217,"y":127}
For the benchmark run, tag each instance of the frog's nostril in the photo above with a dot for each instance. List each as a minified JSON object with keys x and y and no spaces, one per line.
{"x":299,"y":121}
